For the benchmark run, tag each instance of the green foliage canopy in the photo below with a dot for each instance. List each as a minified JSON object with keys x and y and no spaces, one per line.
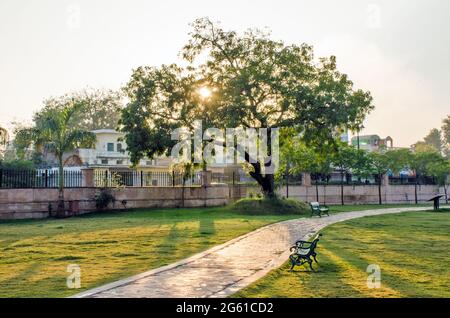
{"x":254,"y":81}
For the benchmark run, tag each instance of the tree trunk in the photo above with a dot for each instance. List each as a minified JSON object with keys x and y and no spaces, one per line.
{"x":268,"y":185}
{"x":445,"y":193}
{"x":60,"y":211}
{"x":379,"y":189}
{"x":287,"y":181}
{"x":342,"y":188}
{"x":266,"y":182}
{"x":317,"y":191}
{"x":415,"y":193}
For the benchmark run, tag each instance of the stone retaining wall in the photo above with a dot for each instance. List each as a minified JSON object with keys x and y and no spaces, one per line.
{"x":362,"y":194}
{"x":39,"y":203}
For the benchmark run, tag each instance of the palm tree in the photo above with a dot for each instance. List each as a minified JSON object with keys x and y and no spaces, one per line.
{"x":54,"y":131}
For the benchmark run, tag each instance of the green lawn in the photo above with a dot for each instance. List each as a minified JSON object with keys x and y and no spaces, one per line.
{"x":34,"y":254}
{"x":412,"y":250}
{"x":350,"y":208}
{"x":109,"y":246}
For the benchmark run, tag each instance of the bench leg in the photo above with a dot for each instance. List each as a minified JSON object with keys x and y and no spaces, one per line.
{"x":315,"y":259}
{"x":310,"y":264}
{"x":293,"y":262}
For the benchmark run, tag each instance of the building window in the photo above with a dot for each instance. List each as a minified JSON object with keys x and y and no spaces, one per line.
{"x":120,"y":162}
{"x":149,"y":163}
{"x":119,"y":147}
{"x":104,"y":161}
{"x":110,"y":146}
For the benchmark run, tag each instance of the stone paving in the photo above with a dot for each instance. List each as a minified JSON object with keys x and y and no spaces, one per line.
{"x":227,"y":268}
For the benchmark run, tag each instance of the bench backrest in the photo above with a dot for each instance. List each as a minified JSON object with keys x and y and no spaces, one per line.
{"x":315,"y":205}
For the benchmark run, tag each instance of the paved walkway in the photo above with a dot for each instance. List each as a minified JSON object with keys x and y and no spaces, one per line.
{"x":227,"y":268}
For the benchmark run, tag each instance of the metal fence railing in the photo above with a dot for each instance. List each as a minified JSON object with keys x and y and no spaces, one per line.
{"x":49,"y":178}
{"x":38,"y":178}
{"x":424,"y":180}
{"x":111,"y":178}
{"x":233,"y":178}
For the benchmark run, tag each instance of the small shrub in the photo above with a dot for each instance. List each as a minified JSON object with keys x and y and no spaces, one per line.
{"x":103,"y":198}
{"x":270,"y":206}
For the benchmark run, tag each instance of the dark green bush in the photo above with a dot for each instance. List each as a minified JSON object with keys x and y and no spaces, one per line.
{"x":268,"y":206}
{"x":103,"y":197}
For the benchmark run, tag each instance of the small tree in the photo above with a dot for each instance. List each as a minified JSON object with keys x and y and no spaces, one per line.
{"x":345,"y":158}
{"x":3,"y":136}
{"x":3,"y":140}
{"x":378,"y":164}
{"x":54,"y":130}
{"x":185,"y":170}
{"x":440,"y":169}
{"x":446,"y":136}
{"x":420,"y":162}
{"x":303,"y":158}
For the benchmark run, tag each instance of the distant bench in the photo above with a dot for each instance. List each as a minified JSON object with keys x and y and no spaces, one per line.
{"x":317,"y":209}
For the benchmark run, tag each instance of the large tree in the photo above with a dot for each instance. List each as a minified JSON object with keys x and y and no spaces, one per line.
{"x":101,"y":109}
{"x":55,"y":129}
{"x":252,"y":81}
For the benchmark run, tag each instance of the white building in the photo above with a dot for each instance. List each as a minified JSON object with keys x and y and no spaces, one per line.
{"x":110,"y":152}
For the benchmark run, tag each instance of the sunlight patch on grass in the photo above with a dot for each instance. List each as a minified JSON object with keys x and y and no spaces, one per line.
{"x":410,"y":248}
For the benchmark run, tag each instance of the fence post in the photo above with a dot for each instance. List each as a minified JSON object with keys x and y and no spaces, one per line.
{"x":142,"y":179}
{"x":385,"y":180}
{"x":46,"y":178}
{"x":173,"y":179}
{"x":206,"y":178}
{"x":306,"y":179}
{"x":87,"y":177}
{"x":1,"y":178}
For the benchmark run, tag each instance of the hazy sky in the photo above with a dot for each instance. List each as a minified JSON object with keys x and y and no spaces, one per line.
{"x":399,"y":50}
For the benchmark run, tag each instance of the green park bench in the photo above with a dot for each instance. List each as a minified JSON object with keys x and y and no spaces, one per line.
{"x":302,"y":252}
{"x":317,"y":209}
